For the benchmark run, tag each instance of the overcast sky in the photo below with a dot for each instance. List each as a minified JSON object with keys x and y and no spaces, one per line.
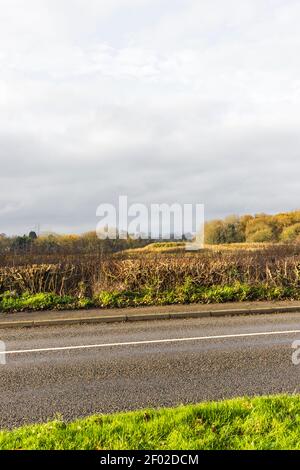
{"x":161,"y":100}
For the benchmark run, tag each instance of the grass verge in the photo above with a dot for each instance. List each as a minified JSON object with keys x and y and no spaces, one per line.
{"x":243,"y":423}
{"x":186,"y":294}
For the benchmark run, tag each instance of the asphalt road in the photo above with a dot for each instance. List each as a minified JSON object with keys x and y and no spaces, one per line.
{"x":76,"y":371}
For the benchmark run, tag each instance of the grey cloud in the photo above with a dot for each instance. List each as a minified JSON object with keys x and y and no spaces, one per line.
{"x":162,"y":108}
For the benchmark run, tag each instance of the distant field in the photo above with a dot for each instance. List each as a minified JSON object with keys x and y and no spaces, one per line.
{"x":266,"y":423}
{"x":168,"y":247}
{"x":180,"y":247}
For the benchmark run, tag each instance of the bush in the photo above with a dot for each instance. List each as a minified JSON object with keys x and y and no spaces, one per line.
{"x":291,"y":234}
{"x":264,"y":235}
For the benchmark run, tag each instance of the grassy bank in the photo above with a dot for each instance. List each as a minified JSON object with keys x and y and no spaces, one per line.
{"x":185,"y":294}
{"x":258,"y":423}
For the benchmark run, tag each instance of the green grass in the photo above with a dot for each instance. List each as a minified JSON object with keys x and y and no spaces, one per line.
{"x":190,"y":293}
{"x":12,"y":302}
{"x":244,"y":423}
{"x":185,"y":294}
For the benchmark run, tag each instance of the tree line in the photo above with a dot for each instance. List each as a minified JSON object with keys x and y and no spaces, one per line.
{"x":259,"y":228}
{"x":65,"y":244}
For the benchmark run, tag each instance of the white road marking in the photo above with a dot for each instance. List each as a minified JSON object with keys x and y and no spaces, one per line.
{"x":156,"y":341}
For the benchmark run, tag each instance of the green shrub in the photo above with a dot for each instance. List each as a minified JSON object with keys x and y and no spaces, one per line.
{"x":291,"y":234}
{"x":187,"y":293}
{"x":11,"y":302}
{"x":264,"y":235}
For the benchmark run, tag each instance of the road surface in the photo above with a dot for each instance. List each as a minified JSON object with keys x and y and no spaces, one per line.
{"x":78,"y":370}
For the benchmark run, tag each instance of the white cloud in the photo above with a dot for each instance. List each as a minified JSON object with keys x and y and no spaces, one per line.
{"x":169,"y":101}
